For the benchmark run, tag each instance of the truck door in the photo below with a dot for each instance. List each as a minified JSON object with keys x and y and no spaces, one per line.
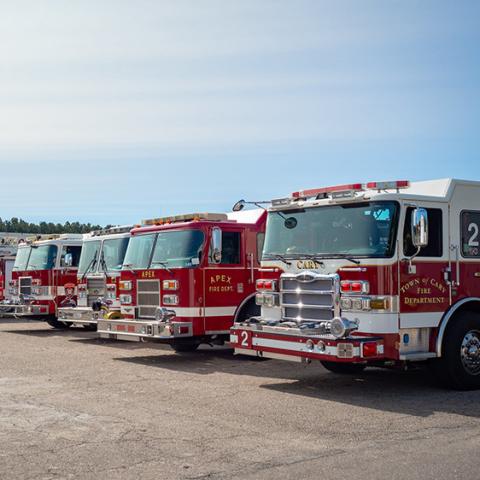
{"x":225,"y":282}
{"x":424,"y":291}
{"x":8,"y":277}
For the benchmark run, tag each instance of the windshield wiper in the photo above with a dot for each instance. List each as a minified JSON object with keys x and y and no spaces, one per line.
{"x":278,"y":256}
{"x":128,"y":266}
{"x":337,"y":255}
{"x":92,"y":263}
{"x":163,"y":264}
{"x":103,"y":263}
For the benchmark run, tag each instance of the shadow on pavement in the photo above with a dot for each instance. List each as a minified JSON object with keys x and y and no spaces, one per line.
{"x":53,"y":332}
{"x":411,"y":392}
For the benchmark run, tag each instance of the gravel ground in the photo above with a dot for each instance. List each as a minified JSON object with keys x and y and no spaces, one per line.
{"x":73,"y":406}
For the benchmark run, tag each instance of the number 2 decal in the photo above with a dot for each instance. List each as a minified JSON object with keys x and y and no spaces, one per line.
{"x":244,"y":338}
{"x":473,"y":242}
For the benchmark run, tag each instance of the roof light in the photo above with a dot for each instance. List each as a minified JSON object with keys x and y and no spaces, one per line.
{"x":315,"y":192}
{"x":395,"y":185}
{"x":189,"y":217}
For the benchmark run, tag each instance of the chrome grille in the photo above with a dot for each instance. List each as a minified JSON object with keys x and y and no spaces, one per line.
{"x":25,"y":285}
{"x":148,"y":298}
{"x":309,"y":297}
{"x":95,"y":289}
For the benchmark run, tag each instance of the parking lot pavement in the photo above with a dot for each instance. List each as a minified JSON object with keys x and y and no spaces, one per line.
{"x":73,"y":406}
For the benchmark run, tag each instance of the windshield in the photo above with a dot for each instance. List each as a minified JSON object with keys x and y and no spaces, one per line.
{"x":177,"y":249}
{"x":21,"y":259}
{"x":89,"y":256}
{"x":42,"y":258}
{"x":357,"y":230}
{"x":139,"y":251}
{"x":113,"y":253}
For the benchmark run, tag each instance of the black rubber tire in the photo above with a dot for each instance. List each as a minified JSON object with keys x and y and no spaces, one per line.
{"x":91,"y":327}
{"x":449,"y":369}
{"x":182,"y":347}
{"x":59,"y":325}
{"x":344,"y":368}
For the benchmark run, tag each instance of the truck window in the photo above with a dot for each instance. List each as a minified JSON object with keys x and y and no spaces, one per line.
{"x":75,"y":250}
{"x":230,"y":248}
{"x":260,"y":242}
{"x":470,"y":234}
{"x":435,"y":235}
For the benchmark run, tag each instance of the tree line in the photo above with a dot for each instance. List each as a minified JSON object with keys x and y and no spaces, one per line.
{"x":17,"y":225}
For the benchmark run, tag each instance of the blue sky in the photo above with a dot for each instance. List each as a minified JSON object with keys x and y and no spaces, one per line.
{"x":115,"y":111}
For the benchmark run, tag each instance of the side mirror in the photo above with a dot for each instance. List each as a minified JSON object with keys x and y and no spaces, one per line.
{"x":216,"y":245}
{"x":68,"y":260}
{"x":420,"y":227}
{"x":240,"y":205}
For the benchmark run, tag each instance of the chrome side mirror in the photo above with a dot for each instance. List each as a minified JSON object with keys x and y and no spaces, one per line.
{"x":216,"y":245}
{"x":240,"y":205}
{"x":68,"y":260}
{"x":419,"y":227}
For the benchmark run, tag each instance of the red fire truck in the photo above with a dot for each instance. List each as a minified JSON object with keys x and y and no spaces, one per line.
{"x":44,"y":275}
{"x":185,"y":278}
{"x":98,"y":277}
{"x":382,"y":274}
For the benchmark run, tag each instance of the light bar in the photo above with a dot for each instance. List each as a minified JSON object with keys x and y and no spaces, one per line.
{"x":395,"y":185}
{"x":314,"y":192}
{"x":112,"y":230}
{"x":189,"y":217}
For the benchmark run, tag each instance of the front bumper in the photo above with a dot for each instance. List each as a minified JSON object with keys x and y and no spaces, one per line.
{"x":83,"y":315}
{"x":22,"y":310}
{"x":295,"y":345}
{"x":137,"y":330}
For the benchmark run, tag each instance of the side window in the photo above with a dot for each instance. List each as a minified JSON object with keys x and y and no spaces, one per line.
{"x":470,"y":234}
{"x":230,"y":248}
{"x":260,"y":242}
{"x":75,"y":251}
{"x":435,"y":235}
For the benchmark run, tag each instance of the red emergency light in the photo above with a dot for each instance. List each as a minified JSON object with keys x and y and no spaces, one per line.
{"x":313,"y":192}
{"x":397,"y":184}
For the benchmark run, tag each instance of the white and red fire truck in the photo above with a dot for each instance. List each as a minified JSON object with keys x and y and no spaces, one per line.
{"x":98,"y":277}
{"x":44,"y":276}
{"x":383,"y":274}
{"x":186,"y":278}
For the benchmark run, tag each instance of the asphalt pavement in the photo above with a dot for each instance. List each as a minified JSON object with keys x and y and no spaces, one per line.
{"x":74,"y":406}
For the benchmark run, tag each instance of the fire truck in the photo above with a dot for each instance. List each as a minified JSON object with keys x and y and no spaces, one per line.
{"x":186,"y":278}
{"x":98,"y":277}
{"x":8,"y":250}
{"x":44,"y":276}
{"x":376,"y":274}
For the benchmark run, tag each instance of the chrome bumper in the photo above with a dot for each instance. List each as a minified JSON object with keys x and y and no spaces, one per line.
{"x":78,"y":315}
{"x":16,"y":310}
{"x":137,"y":330}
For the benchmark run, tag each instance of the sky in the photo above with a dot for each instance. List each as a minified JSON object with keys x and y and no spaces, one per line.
{"x":116,"y":111}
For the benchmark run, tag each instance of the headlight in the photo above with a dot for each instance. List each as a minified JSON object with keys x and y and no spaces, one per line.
{"x":170,"y":299}
{"x":125,"y":285}
{"x":267,"y":299}
{"x":170,"y":285}
{"x":125,"y":299}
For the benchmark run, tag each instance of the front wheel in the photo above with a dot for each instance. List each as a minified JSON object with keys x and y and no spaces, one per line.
{"x":344,"y":368}
{"x":459,"y":365}
{"x":53,"y":322}
{"x":188,"y":346}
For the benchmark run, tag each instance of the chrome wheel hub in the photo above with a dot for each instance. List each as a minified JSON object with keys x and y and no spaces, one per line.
{"x":470,"y":352}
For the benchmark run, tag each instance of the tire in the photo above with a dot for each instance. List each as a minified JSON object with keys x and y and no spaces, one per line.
{"x":182,"y":347}
{"x":59,"y":325}
{"x":459,"y":365}
{"x":344,"y":368}
{"x":91,"y":327}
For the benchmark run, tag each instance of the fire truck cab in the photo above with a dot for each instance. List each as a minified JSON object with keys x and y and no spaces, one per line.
{"x":44,"y":275}
{"x":98,"y":277}
{"x":185,"y":278}
{"x":376,"y":274}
